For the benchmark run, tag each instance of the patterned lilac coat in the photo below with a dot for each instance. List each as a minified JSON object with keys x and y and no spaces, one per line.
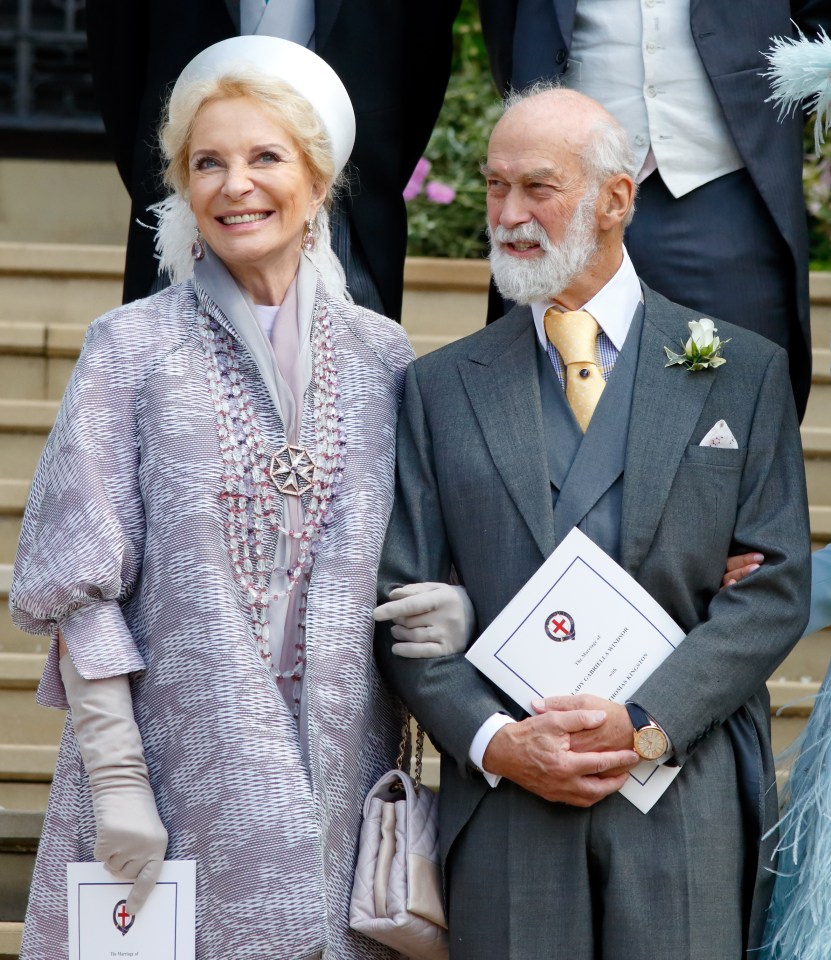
{"x":124,"y":546}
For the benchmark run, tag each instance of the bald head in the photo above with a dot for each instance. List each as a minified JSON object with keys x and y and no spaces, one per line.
{"x":567,"y":120}
{"x":545,"y":101}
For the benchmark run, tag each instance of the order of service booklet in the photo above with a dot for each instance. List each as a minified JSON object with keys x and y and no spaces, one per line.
{"x":101,"y":929}
{"x":581,"y":625}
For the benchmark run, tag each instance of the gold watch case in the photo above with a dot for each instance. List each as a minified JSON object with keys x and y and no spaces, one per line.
{"x":650,"y":742}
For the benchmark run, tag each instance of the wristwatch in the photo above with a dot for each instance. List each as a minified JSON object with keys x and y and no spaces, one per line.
{"x":650,"y":740}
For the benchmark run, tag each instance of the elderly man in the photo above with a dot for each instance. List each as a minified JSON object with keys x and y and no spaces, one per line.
{"x":686,"y":80}
{"x":507,"y":440}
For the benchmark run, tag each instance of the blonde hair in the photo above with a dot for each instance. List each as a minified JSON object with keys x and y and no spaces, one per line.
{"x":177,"y":224}
{"x":292,"y":111}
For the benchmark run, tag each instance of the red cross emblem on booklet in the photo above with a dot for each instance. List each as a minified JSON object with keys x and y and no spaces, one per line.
{"x":560,"y":626}
{"x":122,"y":920}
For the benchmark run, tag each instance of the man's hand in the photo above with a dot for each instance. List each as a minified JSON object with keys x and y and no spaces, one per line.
{"x":431,"y":619}
{"x":536,"y":754}
{"x":614,"y":733}
{"x":739,"y":567}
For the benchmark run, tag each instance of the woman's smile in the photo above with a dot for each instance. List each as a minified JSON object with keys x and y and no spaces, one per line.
{"x":234,"y":219}
{"x":252,"y":192}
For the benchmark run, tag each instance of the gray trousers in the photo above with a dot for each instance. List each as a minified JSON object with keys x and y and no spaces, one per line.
{"x":531,"y":880}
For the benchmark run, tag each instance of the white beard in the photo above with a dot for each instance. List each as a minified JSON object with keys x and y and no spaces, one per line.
{"x":543,"y":278}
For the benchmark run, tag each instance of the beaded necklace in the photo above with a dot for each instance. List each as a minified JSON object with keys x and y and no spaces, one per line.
{"x":254,"y":505}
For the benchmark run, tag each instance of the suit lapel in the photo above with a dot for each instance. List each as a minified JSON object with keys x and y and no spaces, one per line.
{"x":600,"y":458}
{"x":501,"y":380}
{"x":666,"y":405}
{"x":233,"y":12}
{"x":566,"y":10}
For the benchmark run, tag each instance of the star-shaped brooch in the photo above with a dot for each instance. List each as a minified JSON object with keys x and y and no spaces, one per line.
{"x":292,"y":470}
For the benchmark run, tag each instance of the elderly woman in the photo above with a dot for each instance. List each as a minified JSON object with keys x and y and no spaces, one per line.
{"x":203,"y":532}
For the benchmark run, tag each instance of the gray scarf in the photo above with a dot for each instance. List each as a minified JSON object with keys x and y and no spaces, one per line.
{"x":285,"y":365}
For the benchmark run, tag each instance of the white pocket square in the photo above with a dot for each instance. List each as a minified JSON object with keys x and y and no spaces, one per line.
{"x":720,"y":435}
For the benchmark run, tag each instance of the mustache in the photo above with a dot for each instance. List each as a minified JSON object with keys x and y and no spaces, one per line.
{"x":530,"y":232}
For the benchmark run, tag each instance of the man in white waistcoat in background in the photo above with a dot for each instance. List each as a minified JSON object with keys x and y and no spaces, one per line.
{"x":721,"y":223}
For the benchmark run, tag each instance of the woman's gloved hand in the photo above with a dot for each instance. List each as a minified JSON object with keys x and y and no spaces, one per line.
{"x":430,"y":619}
{"x":130,"y":837}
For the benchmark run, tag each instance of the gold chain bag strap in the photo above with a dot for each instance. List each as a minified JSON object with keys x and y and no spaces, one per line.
{"x":397,"y":896}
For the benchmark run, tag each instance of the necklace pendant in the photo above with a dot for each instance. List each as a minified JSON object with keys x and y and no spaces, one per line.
{"x":292,"y":470}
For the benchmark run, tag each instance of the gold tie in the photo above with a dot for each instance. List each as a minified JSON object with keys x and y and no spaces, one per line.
{"x":574,"y":335}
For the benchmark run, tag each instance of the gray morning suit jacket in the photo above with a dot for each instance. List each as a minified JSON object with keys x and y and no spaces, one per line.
{"x":479,"y":470}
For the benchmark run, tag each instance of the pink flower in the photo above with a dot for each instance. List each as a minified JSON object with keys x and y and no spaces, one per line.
{"x":440,"y":192}
{"x":413,"y":188}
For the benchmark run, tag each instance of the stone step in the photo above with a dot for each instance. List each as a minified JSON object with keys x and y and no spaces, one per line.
{"x":27,"y":762}
{"x":62,"y":201}
{"x":43,"y":339}
{"x":41,"y":270}
{"x":820,"y":525}
{"x":818,"y":412}
{"x":790,"y":706}
{"x":71,"y":284}
{"x":443,"y":300}
{"x":20,"y":451}
{"x":24,"y":795}
{"x":22,"y":720}
{"x":820,"y":288}
{"x":29,"y":733}
{"x":13,"y":640}
{"x":19,"y":836}
{"x":10,"y":936}
{"x":808,"y":661}
{"x":818,"y":477}
{"x":66,"y":283}
{"x":36,"y":359}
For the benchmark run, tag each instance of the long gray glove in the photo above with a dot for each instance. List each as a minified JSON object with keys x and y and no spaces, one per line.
{"x":130,"y":837}
{"x":430,"y":619}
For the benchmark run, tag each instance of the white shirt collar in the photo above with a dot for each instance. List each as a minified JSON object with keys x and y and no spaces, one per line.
{"x":613,"y":306}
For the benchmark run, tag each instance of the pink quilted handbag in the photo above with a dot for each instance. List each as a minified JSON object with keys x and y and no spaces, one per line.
{"x":397,"y":895}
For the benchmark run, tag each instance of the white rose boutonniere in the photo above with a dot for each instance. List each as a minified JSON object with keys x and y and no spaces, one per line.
{"x":702,"y":350}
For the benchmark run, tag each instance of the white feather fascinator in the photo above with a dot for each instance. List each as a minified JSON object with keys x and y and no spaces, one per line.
{"x":800,"y":71}
{"x":175,"y":230}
